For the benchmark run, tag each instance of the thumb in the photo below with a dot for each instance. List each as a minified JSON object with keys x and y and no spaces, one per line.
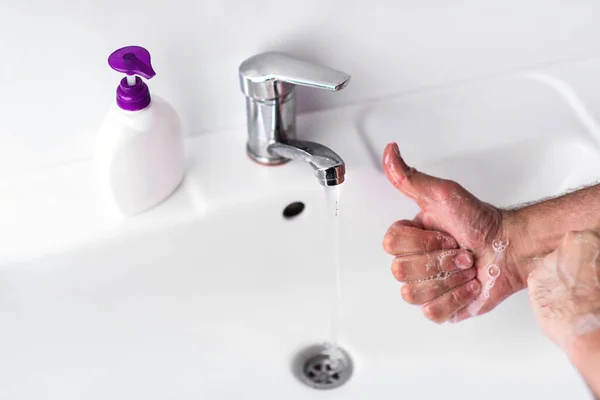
{"x":414,"y":184}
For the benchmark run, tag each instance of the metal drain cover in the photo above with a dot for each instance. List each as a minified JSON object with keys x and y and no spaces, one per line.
{"x":323,"y":367}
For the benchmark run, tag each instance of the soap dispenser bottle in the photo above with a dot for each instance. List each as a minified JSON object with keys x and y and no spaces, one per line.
{"x":139,"y":156}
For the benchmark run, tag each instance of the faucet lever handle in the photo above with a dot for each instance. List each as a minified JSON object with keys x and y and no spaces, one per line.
{"x":269,"y":75}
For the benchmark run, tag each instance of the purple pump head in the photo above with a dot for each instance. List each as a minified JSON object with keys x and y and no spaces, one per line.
{"x":132,"y":60}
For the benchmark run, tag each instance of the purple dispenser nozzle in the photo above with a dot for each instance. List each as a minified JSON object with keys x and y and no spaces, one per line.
{"x":132,"y":60}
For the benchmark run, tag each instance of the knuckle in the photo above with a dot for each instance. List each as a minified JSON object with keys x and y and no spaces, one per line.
{"x":459,"y":278}
{"x":446,"y":188}
{"x":577,"y":240}
{"x":457,"y":296}
{"x":429,"y":243}
{"x":410,"y":173}
{"x":434,"y":264}
{"x":461,"y":295}
{"x":591,"y":236}
{"x":570,"y":237}
{"x":471,"y":273}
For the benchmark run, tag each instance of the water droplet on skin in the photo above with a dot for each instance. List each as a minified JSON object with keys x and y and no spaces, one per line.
{"x":451,"y":242}
{"x":493,"y":271}
{"x":445,"y":254}
{"x":499,"y":246}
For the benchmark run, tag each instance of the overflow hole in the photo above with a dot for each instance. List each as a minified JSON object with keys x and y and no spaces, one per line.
{"x":293,"y":210}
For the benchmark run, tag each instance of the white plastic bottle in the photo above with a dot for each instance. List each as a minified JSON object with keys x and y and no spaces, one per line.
{"x":139,"y":156}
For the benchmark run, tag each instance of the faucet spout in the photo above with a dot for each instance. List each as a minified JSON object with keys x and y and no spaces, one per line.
{"x":268,"y":80}
{"x":330,"y":169}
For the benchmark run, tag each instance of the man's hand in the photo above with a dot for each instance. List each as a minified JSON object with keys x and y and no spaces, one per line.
{"x":456,"y":257}
{"x":564,"y":291}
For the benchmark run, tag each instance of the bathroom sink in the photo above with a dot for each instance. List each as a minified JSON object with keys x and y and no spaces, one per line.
{"x":213,"y":294}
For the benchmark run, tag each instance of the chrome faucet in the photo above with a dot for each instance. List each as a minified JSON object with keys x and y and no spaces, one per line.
{"x":268,"y":81}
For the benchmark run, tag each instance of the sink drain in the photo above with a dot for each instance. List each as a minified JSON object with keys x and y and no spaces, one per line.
{"x":323,"y":367}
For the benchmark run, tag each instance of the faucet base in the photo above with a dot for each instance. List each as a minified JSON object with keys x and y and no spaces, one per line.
{"x":273,"y":160}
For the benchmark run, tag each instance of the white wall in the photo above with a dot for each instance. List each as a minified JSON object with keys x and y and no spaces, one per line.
{"x":55,"y":84}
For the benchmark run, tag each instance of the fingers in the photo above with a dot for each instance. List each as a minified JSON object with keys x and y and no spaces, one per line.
{"x":407,"y":180}
{"x":403,"y":238}
{"x":574,"y":263}
{"x":589,"y":237}
{"x":419,"y":266}
{"x":461,"y":315}
{"x":415,"y":223}
{"x":442,"y":308}
{"x":425,"y":291}
{"x":445,"y":203}
{"x":483,"y":304}
{"x":585,"y":245}
{"x":467,"y":312}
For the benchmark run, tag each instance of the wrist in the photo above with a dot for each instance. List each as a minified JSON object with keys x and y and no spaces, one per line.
{"x":536,"y":230}
{"x":524,"y":251}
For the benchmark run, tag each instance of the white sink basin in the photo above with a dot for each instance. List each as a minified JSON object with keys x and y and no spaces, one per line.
{"x":211,"y":295}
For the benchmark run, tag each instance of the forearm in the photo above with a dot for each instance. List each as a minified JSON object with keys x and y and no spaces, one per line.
{"x":584,"y":353}
{"x":537,"y":229}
